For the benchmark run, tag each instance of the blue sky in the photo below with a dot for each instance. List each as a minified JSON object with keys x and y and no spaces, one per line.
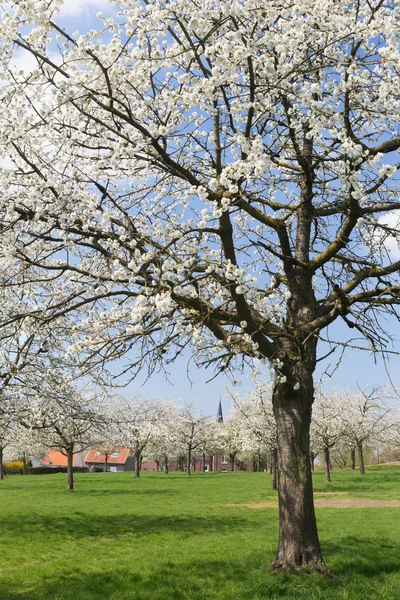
{"x":355,"y":368}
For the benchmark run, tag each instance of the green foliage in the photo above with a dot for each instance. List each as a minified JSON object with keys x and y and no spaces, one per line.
{"x":188,"y":538}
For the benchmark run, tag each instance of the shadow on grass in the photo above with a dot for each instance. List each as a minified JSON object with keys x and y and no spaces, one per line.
{"x":363,"y":556}
{"x":79,"y":525}
{"x":243,"y":578}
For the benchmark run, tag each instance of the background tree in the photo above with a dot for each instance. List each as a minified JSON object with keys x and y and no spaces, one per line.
{"x":190,"y":425}
{"x":256,"y":417}
{"x":327,"y":425}
{"x":136,"y":423}
{"x":62,"y":417}
{"x":219,"y":180}
{"x":164,"y":442}
{"x":366,"y":418}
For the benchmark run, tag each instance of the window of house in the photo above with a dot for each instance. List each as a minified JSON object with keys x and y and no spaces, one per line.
{"x":206,"y":469}
{"x":115,"y":454}
{"x":224,"y":460}
{"x":224,"y":470}
{"x":113,"y":469}
{"x":98,"y":453}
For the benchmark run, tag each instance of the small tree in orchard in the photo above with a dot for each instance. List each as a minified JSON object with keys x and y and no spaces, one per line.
{"x":190,"y":424}
{"x":164,"y":442}
{"x":62,"y":417}
{"x":25,"y":446}
{"x":256,"y":417}
{"x":136,"y":422}
{"x":366,"y":418}
{"x":327,"y":425}
{"x":222,"y":179}
{"x":231,"y":440}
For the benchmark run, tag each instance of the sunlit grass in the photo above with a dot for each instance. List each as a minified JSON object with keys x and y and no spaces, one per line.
{"x":174,"y":537}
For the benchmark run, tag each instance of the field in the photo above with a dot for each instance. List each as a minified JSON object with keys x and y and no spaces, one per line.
{"x":210,"y":536}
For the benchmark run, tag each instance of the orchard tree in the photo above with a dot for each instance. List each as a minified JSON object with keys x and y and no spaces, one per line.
{"x":164,"y":442}
{"x":216,"y":175}
{"x":232,"y":440}
{"x":190,"y":425}
{"x":136,"y":423}
{"x":366,"y":418}
{"x":25,"y":445}
{"x":327,"y":427}
{"x":60,"y":416}
{"x":257,"y":422}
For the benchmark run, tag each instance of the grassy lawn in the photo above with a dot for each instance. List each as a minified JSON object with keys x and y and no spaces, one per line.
{"x":174,"y":537}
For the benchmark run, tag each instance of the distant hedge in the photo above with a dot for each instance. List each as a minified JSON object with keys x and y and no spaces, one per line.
{"x":12,"y":469}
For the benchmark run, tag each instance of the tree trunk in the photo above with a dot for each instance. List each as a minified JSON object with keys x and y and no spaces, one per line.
{"x":270,"y":463}
{"x":312,"y":459}
{"x":232,"y":461}
{"x":361,"y":459}
{"x":166,"y":469}
{"x":137,"y":463}
{"x":204,"y":462}
{"x":70,"y":472}
{"x":1,"y":464}
{"x":211,"y":467}
{"x":189,"y":460}
{"x":274,"y":461}
{"x":298,"y":546}
{"x":23,"y":463}
{"x":327,"y":462}
{"x":105,"y":462}
{"x":353,"y":458}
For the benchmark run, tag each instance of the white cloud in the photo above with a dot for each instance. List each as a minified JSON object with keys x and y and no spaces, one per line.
{"x":74,"y":8}
{"x":392,"y":244}
{"x":24,"y":61}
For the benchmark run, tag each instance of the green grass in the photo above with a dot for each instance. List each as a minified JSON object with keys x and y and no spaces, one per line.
{"x":173,"y":538}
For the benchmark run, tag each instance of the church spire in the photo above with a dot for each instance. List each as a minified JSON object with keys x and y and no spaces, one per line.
{"x":220,"y":418}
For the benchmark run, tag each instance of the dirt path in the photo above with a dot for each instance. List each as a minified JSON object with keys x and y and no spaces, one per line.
{"x":331,"y":500}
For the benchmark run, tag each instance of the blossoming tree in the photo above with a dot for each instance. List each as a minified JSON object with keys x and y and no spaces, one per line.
{"x":218,"y":174}
{"x":327,"y":427}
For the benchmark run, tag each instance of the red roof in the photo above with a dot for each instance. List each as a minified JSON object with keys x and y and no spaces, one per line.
{"x":55,"y":458}
{"x":95,"y":456}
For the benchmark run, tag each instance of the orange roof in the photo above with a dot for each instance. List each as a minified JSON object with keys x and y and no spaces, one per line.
{"x":95,"y":456}
{"x":55,"y":458}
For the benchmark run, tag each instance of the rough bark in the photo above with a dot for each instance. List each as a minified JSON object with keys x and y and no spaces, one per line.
{"x":298,"y":546}
{"x":1,"y":464}
{"x":105,"y":462}
{"x":189,"y":460}
{"x":361,"y":458}
{"x":70,"y":472}
{"x":211,"y":467}
{"x":23,"y":463}
{"x":137,"y":463}
{"x":204,"y":462}
{"x":327,"y":462}
{"x":166,"y":468}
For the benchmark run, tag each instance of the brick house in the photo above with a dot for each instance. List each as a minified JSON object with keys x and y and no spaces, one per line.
{"x":55,"y":458}
{"x":118,"y":460}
